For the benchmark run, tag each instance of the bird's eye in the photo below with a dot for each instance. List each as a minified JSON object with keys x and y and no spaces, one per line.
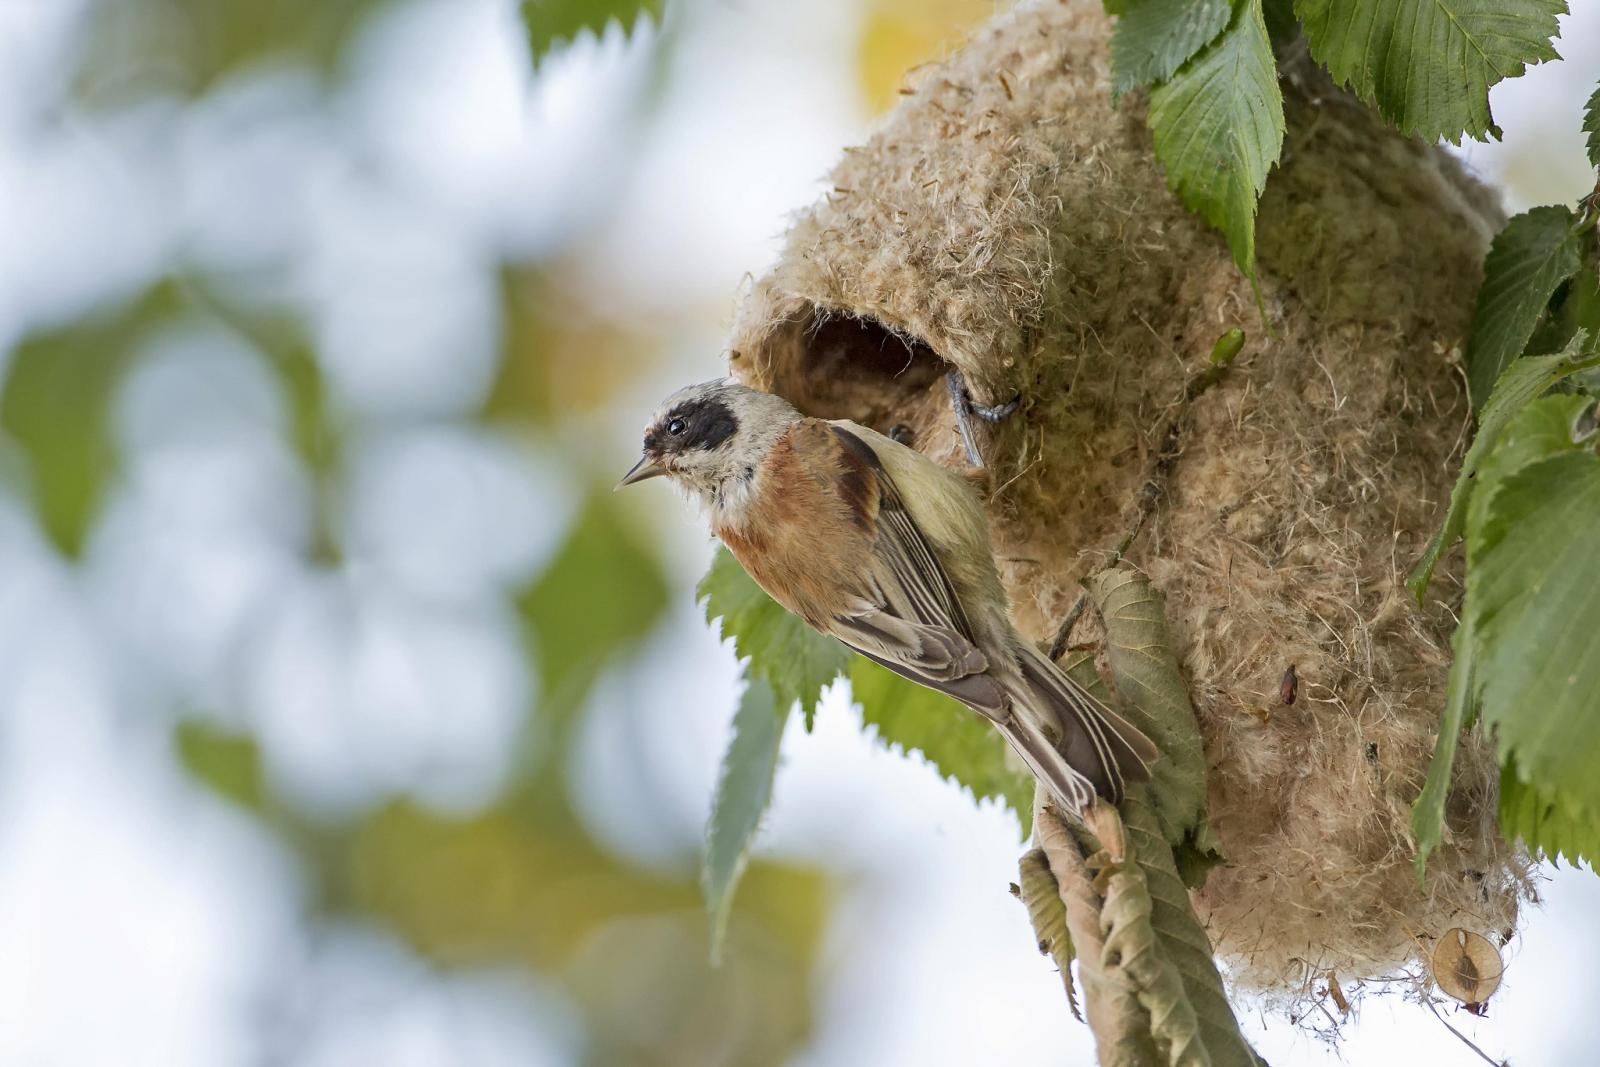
{"x":676,"y":426}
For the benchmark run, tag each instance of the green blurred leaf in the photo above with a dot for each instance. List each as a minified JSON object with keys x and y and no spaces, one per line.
{"x":1530,"y":258}
{"x":744,"y":789}
{"x":1156,"y":37}
{"x":627,"y":944}
{"x":135,"y":47}
{"x":603,"y":592}
{"x":1591,"y":126}
{"x":1545,"y":821}
{"x":1427,"y":813}
{"x":1428,"y":64}
{"x":549,"y":22}
{"x":228,"y":763}
{"x":781,"y":650}
{"x":1218,"y":128}
{"x":960,"y":743}
{"x":57,"y":406}
{"x":1521,"y":382}
{"x":1533,"y":598}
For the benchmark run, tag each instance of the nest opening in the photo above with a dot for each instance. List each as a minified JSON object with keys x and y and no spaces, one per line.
{"x":837,"y":365}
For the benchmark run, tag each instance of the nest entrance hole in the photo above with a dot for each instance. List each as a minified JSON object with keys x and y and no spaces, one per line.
{"x":843,"y":366}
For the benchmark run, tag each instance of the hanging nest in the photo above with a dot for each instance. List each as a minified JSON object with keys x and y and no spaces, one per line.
{"x":1009,"y":222}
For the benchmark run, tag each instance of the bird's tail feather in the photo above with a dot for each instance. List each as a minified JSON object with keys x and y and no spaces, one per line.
{"x":1075,"y":744}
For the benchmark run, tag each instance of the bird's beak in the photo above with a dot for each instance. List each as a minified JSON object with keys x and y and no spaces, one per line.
{"x":645,"y":468}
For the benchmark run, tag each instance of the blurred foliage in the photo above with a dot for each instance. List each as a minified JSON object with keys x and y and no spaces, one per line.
{"x":524,"y":880}
{"x":56,"y":408}
{"x":901,"y":35}
{"x":155,"y":47}
{"x":601,"y":595}
{"x":227,"y":762}
{"x":560,"y":357}
{"x":550,"y":22}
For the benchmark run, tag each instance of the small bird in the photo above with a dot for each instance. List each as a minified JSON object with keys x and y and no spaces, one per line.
{"x":875,"y":544}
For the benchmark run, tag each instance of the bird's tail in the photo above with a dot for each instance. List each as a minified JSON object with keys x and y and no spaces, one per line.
{"x":1076,"y":745}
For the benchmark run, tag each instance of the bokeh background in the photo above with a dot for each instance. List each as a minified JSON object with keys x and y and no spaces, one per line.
{"x":346,"y":717}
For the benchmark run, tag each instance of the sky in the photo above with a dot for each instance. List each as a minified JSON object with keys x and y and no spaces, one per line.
{"x":146,"y":922}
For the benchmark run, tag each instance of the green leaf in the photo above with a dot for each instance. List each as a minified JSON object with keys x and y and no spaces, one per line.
{"x":791,"y":657}
{"x":1154,"y":696}
{"x":960,"y":743}
{"x":1521,"y":382}
{"x":57,"y":405}
{"x":1156,"y":37}
{"x":1545,"y":821}
{"x":1283,"y":25}
{"x":1428,"y":64}
{"x":602,"y":593}
{"x":228,"y":763}
{"x":549,"y":22}
{"x":1427,"y":814}
{"x":1530,"y":258}
{"x":1591,"y":126}
{"x":1533,"y":601}
{"x":744,"y":789}
{"x":1218,"y":127}
{"x":1159,"y":942}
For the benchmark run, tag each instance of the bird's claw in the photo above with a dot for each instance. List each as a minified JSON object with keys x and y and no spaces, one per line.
{"x":961,"y":402}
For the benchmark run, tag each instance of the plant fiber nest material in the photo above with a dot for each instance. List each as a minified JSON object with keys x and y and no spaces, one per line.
{"x":1008,"y":221}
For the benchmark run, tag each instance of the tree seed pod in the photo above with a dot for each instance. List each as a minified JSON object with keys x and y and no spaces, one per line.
{"x":1466,"y":966}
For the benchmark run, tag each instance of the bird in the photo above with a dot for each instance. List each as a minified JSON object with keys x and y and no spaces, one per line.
{"x":871,"y":542}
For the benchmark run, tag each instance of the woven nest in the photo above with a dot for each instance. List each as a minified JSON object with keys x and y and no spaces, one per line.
{"x":1008,"y":221}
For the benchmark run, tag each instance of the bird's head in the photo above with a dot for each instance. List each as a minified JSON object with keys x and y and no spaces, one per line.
{"x":708,"y":436}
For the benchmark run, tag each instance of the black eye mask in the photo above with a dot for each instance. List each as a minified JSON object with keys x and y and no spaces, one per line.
{"x":697,"y":424}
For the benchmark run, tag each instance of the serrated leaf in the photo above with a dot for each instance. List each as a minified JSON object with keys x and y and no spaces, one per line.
{"x":549,"y":22}
{"x":1545,"y":822}
{"x":959,"y":742}
{"x":1427,"y":65}
{"x":1591,"y":126}
{"x":1154,"y":936}
{"x":1521,"y":382}
{"x":1533,"y":597}
{"x":791,"y":657}
{"x":1530,"y":258}
{"x":1156,"y":37}
{"x":1154,"y":696}
{"x":1218,"y":127}
{"x":1427,"y":814}
{"x":744,"y":789}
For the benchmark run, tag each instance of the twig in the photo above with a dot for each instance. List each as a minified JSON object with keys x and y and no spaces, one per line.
{"x":1465,"y":1040}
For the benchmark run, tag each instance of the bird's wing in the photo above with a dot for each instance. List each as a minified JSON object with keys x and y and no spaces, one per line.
{"x":908,"y":617}
{"x":912,"y":622}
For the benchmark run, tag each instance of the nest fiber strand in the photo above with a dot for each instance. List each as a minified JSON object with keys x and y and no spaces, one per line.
{"x":1009,"y":222}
